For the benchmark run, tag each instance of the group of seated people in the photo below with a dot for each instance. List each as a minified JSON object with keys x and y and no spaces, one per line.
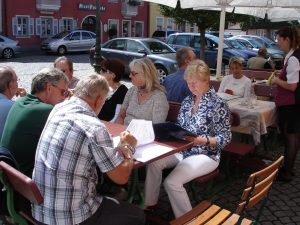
{"x":57,"y":137}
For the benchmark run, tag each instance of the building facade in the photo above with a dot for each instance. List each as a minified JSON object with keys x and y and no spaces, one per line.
{"x":32,"y":21}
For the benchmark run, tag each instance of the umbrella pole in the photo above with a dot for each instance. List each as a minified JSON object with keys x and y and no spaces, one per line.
{"x":221,"y":40}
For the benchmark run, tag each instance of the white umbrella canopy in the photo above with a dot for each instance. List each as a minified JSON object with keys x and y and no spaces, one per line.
{"x":276,"y":10}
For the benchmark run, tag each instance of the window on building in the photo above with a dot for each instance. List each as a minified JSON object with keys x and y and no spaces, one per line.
{"x":113,"y":28}
{"x":46,"y":26}
{"x":126,"y":28}
{"x":67,"y":24}
{"x":22,"y":26}
{"x":159,"y":23}
{"x":170,"y":23}
{"x":138,"y":28}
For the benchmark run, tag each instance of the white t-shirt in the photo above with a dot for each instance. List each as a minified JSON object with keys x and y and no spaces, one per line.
{"x":240,"y":87}
{"x":292,"y":70}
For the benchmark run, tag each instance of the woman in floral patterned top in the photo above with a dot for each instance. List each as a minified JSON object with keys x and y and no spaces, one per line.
{"x":208,"y":116}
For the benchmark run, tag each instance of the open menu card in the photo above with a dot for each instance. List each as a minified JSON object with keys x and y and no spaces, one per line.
{"x":146,"y":149}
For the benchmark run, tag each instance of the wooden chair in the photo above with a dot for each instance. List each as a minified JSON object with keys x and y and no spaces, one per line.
{"x":256,"y":191}
{"x":15,"y":181}
{"x":174,"y":108}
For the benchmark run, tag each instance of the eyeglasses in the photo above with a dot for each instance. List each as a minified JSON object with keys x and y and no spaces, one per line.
{"x":63,"y":92}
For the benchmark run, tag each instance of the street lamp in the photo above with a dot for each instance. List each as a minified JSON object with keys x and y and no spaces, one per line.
{"x":97,"y":53}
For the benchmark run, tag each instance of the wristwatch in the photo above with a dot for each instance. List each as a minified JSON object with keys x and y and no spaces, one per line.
{"x":130,"y":148}
{"x":207,"y":140}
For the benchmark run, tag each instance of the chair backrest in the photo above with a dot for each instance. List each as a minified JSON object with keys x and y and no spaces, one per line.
{"x":258,"y":186}
{"x":7,"y":157}
{"x":21,"y":183}
{"x":257,"y":74}
{"x":174,"y":108}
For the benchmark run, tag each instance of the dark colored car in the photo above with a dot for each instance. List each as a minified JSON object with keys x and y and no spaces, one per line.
{"x":192,"y":40}
{"x":127,"y":49}
{"x":238,"y":46}
{"x":252,"y":43}
{"x":163,"y":34}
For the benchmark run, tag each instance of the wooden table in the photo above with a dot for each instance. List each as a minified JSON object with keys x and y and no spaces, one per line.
{"x":134,"y":188}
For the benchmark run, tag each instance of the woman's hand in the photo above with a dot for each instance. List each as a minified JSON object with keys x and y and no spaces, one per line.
{"x":199,"y":140}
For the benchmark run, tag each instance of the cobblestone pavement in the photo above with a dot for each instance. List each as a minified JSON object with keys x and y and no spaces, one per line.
{"x":28,"y":64}
{"x":283,"y":205}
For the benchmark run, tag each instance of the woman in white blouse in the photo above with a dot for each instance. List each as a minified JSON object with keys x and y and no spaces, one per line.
{"x":236,"y":83}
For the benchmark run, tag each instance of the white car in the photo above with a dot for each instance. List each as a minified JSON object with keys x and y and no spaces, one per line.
{"x":8,"y":47}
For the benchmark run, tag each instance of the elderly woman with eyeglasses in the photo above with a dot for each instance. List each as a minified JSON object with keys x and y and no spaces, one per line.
{"x":146,"y":99}
{"x":113,"y":70}
{"x":206,"y":115}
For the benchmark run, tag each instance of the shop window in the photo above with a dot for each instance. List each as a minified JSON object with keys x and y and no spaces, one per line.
{"x":22,"y":26}
{"x":113,"y":28}
{"x":170,"y":23}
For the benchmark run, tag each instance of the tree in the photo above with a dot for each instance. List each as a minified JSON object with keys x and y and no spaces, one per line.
{"x":204,"y":19}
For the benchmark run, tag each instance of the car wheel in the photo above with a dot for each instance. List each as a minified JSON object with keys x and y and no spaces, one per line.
{"x":61,"y":50}
{"x":162,"y":73}
{"x":7,"y":53}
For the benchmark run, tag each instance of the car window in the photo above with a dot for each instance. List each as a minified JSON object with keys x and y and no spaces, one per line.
{"x":86,"y":35}
{"x":183,"y":40}
{"x":245,"y":43}
{"x":61,"y":35}
{"x":117,"y":44}
{"x":157,"y":47}
{"x":159,"y":33}
{"x":210,"y":43}
{"x":197,"y":42}
{"x":134,"y":46}
{"x":93,"y":35}
{"x":75,"y":36}
{"x":1,"y":40}
{"x":171,"y":39}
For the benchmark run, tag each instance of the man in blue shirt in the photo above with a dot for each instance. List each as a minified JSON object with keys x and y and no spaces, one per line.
{"x":175,"y":85}
{"x":8,"y":89}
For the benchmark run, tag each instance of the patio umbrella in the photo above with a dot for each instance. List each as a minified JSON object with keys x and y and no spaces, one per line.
{"x":276,"y":10}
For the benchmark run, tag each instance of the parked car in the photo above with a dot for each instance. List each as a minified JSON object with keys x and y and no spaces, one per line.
{"x":192,"y":40}
{"x":266,"y":42}
{"x":127,"y":49}
{"x":238,"y":46}
{"x":163,"y":34}
{"x":69,"y":41}
{"x":276,"y":54}
{"x":8,"y":47}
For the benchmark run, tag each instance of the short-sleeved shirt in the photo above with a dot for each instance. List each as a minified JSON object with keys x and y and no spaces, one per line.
{"x":240,"y":87}
{"x":5,"y":105}
{"x":24,"y":125}
{"x":176,"y":86}
{"x":212,"y":119}
{"x":109,"y":108}
{"x":155,"y":108}
{"x":73,"y":144}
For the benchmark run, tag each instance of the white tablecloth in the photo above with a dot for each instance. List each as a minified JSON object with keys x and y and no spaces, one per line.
{"x":254,"y":120}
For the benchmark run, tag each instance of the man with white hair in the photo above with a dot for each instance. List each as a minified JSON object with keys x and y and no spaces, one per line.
{"x":8,"y":89}
{"x":74,"y":143}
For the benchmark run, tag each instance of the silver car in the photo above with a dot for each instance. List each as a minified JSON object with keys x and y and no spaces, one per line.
{"x":127,"y":49}
{"x":69,"y":41}
{"x":8,"y":47}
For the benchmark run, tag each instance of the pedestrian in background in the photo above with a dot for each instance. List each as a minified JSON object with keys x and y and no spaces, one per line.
{"x":66,"y":65}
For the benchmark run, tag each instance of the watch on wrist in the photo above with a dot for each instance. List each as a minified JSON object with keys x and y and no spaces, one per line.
{"x":130,"y":148}
{"x":207,"y":140}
